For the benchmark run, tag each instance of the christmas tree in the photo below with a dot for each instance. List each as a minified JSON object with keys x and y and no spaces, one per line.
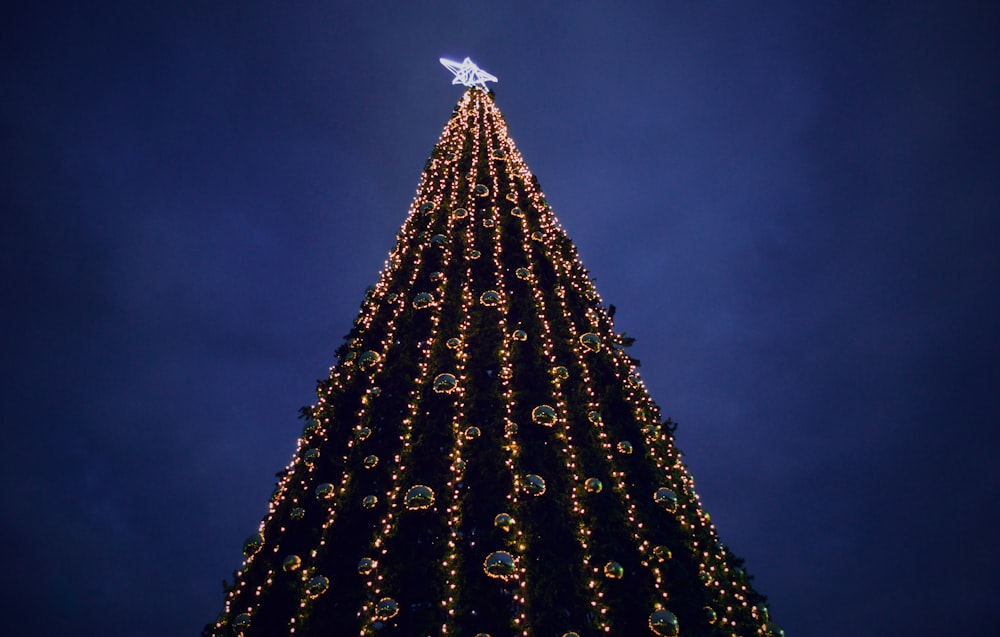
{"x":484,"y":459}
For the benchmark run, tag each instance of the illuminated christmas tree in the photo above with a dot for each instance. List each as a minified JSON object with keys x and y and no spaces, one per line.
{"x":484,"y":458}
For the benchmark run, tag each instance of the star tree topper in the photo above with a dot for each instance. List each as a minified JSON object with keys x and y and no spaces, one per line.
{"x":467,"y":73}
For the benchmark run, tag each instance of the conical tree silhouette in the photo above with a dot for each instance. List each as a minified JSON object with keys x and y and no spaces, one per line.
{"x":484,"y":459}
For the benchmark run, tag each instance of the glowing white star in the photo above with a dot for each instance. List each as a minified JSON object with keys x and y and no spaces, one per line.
{"x":468,"y":73}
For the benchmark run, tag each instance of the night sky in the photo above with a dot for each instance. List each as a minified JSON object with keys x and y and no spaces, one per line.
{"x":793,"y":205}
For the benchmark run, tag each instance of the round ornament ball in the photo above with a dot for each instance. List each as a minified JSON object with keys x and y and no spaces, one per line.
{"x":591,"y":341}
{"x":490,"y":298}
{"x":419,"y":497}
{"x":291,"y":563}
{"x":666,"y":499}
{"x":366,"y":565}
{"x":544,"y":415}
{"x":253,"y":544}
{"x":499,"y":564}
{"x":504,"y":522}
{"x":370,"y":501}
{"x":387,"y":608}
{"x":613,"y":570}
{"x":593,"y":485}
{"x":445,"y":383}
{"x":370,"y":461}
{"x":534,"y":484}
{"x":324,"y":491}
{"x":664,"y":623}
{"x":423,"y":300}
{"x":317,"y":586}
{"x":472,"y":433}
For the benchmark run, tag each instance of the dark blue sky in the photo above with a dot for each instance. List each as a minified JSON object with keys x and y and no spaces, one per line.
{"x":793,"y":206}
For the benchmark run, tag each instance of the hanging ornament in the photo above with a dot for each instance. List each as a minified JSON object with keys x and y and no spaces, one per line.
{"x":591,"y":341}
{"x":311,"y":427}
{"x":594,"y":417}
{"x":499,"y":564}
{"x":560,"y":372}
{"x":370,"y":461}
{"x":570,"y":634}
{"x":537,"y":235}
{"x":472,"y":433}
{"x":633,"y":380}
{"x":439,"y":240}
{"x":297,"y":513}
{"x":613,"y":570}
{"x":366,"y":565}
{"x":426,"y":208}
{"x":362,"y":433}
{"x":593,"y":485}
{"x":437,"y":277}
{"x":517,"y":212}
{"x":419,"y":497}
{"x":475,"y":254}
{"x":445,"y":383}
{"x":253,"y":544}
{"x":662,"y":553}
{"x":387,"y":608}
{"x":522,"y":273}
{"x":510,"y":428}
{"x":370,"y":501}
{"x":512,"y":196}
{"x":291,"y":563}
{"x":368,"y":359}
{"x":625,"y":447}
{"x":310,"y":456}
{"x":460,"y":213}
{"x":241,"y":622}
{"x":490,"y":298}
{"x":392,"y":297}
{"x":504,"y":522}
{"x":663,"y":623}
{"x":710,"y":615}
{"x":317,"y":586}
{"x":520,"y":335}
{"x":422,"y":300}
{"x":590,"y":294}
{"x":452,"y":343}
{"x":459,"y":465}
{"x":498,"y":154}
{"x":666,"y":499}
{"x":544,"y":415}
{"x":324,"y":491}
{"x":489,"y":223}
{"x":534,"y":485}
{"x":481,"y":190}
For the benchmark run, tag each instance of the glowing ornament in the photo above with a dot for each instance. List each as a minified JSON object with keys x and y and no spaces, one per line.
{"x":522,"y":273}
{"x":517,"y":212}
{"x":317,"y":586}
{"x":710,"y":615}
{"x":452,"y":343}
{"x":459,"y":465}
{"x":591,"y":341}
{"x":594,"y":417}
{"x":499,"y":154}
{"x":534,"y":485}
{"x":311,"y":427}
{"x":437,"y":277}
{"x":520,"y":335}
{"x":366,"y":565}
{"x":368,"y":359}
{"x":489,"y":223}
{"x":291,"y":563}
{"x":537,"y":235}
{"x":666,"y":499}
{"x":591,"y":295}
{"x":560,"y":372}
{"x":460,"y":213}
{"x":625,"y":447}
{"x":422,"y":300}
{"x":662,"y":553}
{"x":467,"y":73}
{"x":310,"y":456}
{"x":370,"y":461}
{"x":490,"y":298}
{"x":499,"y":564}
{"x":370,"y":501}
{"x":481,"y":190}
{"x":362,"y":433}
{"x":512,"y":196}
{"x":253,"y":544}
{"x":663,"y":623}
{"x":419,"y":497}
{"x":472,"y":433}
{"x":324,"y":491}
{"x":445,"y":383}
{"x":506,"y":373}
{"x":241,"y":622}
{"x":475,"y":254}
{"x":593,"y":485}
{"x":613,"y":570}
{"x":297,"y":513}
{"x":426,"y":208}
{"x":387,"y":608}
{"x":633,"y":380}
{"x":439,"y":240}
{"x":570,"y":634}
{"x":504,"y":522}
{"x":510,"y":428}
{"x":392,"y":297}
{"x":544,"y":415}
